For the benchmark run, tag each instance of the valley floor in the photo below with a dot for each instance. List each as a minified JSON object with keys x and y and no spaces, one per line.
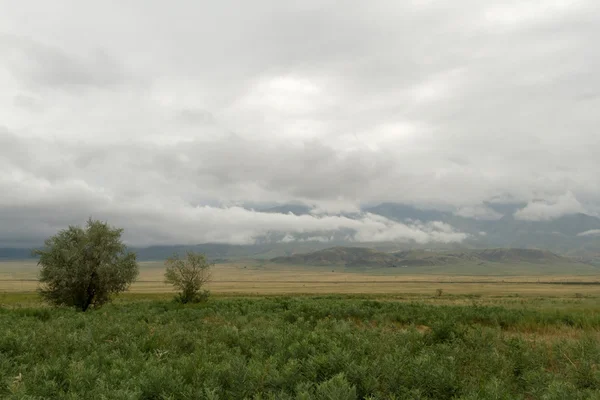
{"x":145,"y":346}
{"x":255,"y":278}
{"x":272,"y":332}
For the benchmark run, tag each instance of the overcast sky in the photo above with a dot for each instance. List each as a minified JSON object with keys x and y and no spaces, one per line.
{"x":162,"y":117}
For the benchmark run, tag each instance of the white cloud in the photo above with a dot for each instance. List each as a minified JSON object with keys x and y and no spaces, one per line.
{"x":148,"y":223}
{"x":380,"y":229}
{"x":526,"y":12}
{"x":240,"y":102}
{"x":338,"y":206}
{"x":479,"y":212}
{"x":290,"y":238}
{"x":546,"y":211}
{"x":591,"y":232}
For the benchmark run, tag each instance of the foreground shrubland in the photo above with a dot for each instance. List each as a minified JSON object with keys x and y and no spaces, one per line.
{"x":298,"y":348}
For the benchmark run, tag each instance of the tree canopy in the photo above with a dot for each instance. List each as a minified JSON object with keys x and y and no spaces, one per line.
{"x":83,"y":267}
{"x":188,"y":276}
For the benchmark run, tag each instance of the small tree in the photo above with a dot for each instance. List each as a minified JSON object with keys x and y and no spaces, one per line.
{"x":189,"y":276}
{"x":84,"y":267}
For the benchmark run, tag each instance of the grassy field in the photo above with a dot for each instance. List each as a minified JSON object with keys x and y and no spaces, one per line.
{"x":273,"y":332}
{"x":252,"y":277}
{"x":303,"y":347}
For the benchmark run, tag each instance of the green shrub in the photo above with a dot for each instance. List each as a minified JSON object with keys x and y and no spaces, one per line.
{"x":189,"y":276}
{"x":85,"y":267}
{"x":332,"y":348}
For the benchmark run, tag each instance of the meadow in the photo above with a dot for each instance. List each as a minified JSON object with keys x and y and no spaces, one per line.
{"x":257,"y":278}
{"x":304,"y":347}
{"x":481,"y":337}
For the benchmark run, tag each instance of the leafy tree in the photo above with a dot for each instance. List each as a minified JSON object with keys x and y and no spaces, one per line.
{"x":189,"y":276}
{"x":83,"y":267}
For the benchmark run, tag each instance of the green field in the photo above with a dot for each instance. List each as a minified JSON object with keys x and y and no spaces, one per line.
{"x":304,"y":347}
{"x":255,"y":277}
{"x":298,"y":332}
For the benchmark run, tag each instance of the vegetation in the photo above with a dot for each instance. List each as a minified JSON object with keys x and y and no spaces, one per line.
{"x":349,"y":256}
{"x":366,"y":257}
{"x":189,"y":276}
{"x":329,"y":347}
{"x":84,"y":267}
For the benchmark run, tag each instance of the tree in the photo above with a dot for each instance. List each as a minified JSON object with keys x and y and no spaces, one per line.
{"x":188,"y":276}
{"x":85,"y":267}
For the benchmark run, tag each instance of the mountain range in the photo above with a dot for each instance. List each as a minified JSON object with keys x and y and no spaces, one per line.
{"x":366,"y":257}
{"x":575,"y":235}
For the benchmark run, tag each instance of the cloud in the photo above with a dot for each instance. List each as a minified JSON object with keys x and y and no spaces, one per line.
{"x":290,"y":238}
{"x":591,"y":232}
{"x":380,"y":229}
{"x":27,"y":102}
{"x":546,"y":211}
{"x":147,"y":223}
{"x":44,"y":193}
{"x":39,"y":64}
{"x":422,"y":102}
{"x":526,"y":13}
{"x":479,"y":212}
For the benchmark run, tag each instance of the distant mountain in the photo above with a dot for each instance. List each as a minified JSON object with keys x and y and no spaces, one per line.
{"x":563,"y":235}
{"x":296,"y":209}
{"x":349,"y":256}
{"x":363,"y":257}
{"x":402,"y":212}
{"x":560,"y":235}
{"x":519,"y":255}
{"x":218,"y":251}
{"x":15,"y":254}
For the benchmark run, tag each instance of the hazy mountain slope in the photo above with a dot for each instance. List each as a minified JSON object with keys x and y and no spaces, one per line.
{"x":296,"y":209}
{"x":354,"y":256}
{"x":349,"y":256}
{"x":402,"y":212}
{"x":559,"y":235}
{"x":9,"y":253}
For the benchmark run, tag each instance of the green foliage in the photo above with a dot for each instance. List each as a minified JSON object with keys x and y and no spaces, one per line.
{"x":334,"y":348}
{"x":84,"y":267}
{"x":336,"y":388}
{"x":189,"y":276}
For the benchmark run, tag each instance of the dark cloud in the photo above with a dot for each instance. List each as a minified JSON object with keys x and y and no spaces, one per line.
{"x":195,"y":116}
{"x":41,"y":65}
{"x":458,"y":106}
{"x":29,"y":103}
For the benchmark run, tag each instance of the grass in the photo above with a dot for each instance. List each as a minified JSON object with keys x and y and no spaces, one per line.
{"x":341,"y":335}
{"x":144,"y":346}
{"x":253,"y":277}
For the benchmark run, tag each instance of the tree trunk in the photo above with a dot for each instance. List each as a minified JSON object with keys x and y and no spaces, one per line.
{"x":91,"y":292}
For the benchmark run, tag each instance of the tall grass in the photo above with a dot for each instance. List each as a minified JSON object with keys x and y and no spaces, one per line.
{"x":298,"y":348}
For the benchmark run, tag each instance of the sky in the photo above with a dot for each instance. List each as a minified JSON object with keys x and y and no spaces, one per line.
{"x":178,"y":120}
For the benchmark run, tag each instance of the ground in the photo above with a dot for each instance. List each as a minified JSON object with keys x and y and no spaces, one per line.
{"x":269,"y":332}
{"x":253,"y":277}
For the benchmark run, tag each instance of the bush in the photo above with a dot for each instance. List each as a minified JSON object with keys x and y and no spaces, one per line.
{"x":84,"y":267}
{"x":336,"y":388}
{"x":189,"y":276}
{"x":337,"y":348}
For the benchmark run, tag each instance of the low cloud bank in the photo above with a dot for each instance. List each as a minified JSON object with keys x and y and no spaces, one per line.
{"x":591,"y":232}
{"x":550,"y":210}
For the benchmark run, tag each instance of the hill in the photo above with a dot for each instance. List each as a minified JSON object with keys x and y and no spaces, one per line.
{"x":365,"y":257}
{"x":565,"y":234}
{"x":349,"y":256}
{"x":9,"y":253}
{"x":520,"y":255}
